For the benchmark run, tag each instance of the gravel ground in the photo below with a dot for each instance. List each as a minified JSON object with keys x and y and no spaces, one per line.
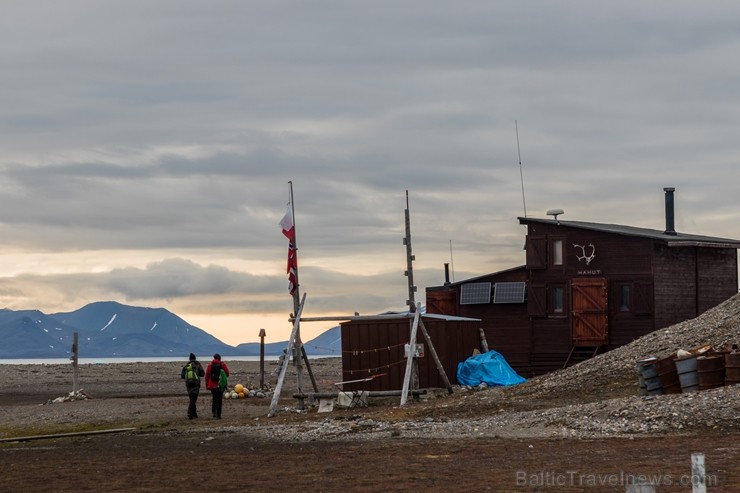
{"x":595,"y":399}
{"x":582,"y":429}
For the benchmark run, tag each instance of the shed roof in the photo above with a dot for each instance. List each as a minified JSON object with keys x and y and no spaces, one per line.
{"x":478,"y":278}
{"x":671,"y":240}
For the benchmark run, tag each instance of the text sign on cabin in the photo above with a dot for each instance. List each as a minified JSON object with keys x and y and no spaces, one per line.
{"x":586,"y":254}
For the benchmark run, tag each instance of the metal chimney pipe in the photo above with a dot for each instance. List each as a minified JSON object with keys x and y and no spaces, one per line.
{"x":447,"y":274}
{"x":669,"y":214}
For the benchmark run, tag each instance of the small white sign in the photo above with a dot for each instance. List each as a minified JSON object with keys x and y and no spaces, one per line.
{"x":418,"y":351}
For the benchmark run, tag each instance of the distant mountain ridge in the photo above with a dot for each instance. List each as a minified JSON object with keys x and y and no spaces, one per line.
{"x":111,"y":329}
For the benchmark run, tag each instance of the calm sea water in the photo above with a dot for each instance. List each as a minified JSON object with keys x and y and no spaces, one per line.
{"x":153,"y":359}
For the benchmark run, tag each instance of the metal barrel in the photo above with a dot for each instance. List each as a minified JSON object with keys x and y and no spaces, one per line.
{"x":640,"y":378}
{"x":651,"y":378}
{"x":732,"y":368}
{"x":668,"y":375}
{"x":687,"y":375}
{"x":711,"y":371}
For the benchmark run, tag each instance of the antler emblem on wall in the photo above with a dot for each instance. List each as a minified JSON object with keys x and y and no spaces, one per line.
{"x":587,"y":258}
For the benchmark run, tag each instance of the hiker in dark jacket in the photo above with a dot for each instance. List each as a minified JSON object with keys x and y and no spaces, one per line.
{"x":192,"y":373}
{"x":212,"y":377}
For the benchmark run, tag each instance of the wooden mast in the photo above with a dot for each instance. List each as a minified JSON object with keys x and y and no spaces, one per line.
{"x":296,"y":352}
{"x":413,"y":364}
{"x":300,"y":350}
{"x":409,"y":258}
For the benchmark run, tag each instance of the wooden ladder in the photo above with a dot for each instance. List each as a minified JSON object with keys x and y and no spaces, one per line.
{"x":581,"y":353}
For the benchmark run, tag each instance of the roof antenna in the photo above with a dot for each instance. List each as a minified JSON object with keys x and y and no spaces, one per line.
{"x":555,"y":213}
{"x":521,"y":174}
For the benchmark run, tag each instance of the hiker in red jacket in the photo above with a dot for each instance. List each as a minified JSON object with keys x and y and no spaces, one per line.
{"x":213,"y":373}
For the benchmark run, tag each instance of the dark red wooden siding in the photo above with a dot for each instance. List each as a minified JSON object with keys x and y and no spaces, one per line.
{"x":376,"y":349}
{"x":442,"y":301}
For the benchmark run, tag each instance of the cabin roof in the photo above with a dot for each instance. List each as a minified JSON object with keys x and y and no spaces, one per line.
{"x":671,"y":240}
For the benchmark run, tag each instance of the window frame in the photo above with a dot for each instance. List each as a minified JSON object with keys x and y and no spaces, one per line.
{"x":557,"y":247}
{"x":624,"y":290}
{"x":554,"y":308}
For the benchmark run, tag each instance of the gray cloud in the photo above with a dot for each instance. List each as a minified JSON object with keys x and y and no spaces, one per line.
{"x":214,"y":289}
{"x":173,"y":128}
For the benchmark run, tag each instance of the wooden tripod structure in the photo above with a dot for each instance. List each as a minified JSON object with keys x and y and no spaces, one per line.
{"x":284,"y":367}
{"x":418,"y":323}
{"x":295,"y":349}
{"x":410,"y":380}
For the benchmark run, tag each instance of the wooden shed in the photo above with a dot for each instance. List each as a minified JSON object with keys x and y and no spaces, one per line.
{"x":589,"y":287}
{"x":373,"y":349}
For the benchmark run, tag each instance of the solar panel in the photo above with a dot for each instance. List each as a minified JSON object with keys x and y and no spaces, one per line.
{"x":475,"y":293}
{"x":509,"y":292}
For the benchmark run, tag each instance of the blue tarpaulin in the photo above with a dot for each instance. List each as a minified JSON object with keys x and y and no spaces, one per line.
{"x":490,"y":368}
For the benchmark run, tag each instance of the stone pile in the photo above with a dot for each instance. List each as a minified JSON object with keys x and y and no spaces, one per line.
{"x":80,"y":395}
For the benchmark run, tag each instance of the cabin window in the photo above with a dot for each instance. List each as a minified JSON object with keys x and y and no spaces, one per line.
{"x":557,"y":252}
{"x":557,"y":293}
{"x":624,"y":298}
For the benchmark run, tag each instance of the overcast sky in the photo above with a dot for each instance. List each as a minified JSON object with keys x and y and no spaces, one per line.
{"x":146,"y":146}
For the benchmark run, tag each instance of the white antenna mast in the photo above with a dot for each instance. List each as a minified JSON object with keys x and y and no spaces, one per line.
{"x":521,"y":174}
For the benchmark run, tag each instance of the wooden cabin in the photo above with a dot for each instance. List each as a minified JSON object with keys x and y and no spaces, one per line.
{"x":589,"y":287}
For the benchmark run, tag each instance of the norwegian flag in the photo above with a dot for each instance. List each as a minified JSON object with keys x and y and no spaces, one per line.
{"x":289,"y":231}
{"x":292,"y":268}
{"x":287,"y":224}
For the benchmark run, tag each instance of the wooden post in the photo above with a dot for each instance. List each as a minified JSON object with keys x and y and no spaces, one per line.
{"x":308,"y":368}
{"x":262,"y":358}
{"x":74,"y":358}
{"x":284,"y":367}
{"x":297,"y":359}
{"x":698,"y":474}
{"x":639,"y":486}
{"x":483,"y":341}
{"x":297,"y":343}
{"x":409,"y":257}
{"x":409,"y":361}
{"x":433,"y":352}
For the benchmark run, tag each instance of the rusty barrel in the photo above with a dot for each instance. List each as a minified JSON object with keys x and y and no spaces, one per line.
{"x":711,"y":371}
{"x":687,"y":375}
{"x":668,"y":375}
{"x":732,"y":368}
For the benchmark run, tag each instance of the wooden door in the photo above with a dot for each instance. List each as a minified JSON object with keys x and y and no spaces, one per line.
{"x":589,"y":320}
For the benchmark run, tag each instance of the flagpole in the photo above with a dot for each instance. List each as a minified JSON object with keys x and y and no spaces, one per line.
{"x":300,"y":351}
{"x":296,"y":293}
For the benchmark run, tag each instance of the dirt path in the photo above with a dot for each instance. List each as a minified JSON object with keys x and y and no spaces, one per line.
{"x":165,"y":461}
